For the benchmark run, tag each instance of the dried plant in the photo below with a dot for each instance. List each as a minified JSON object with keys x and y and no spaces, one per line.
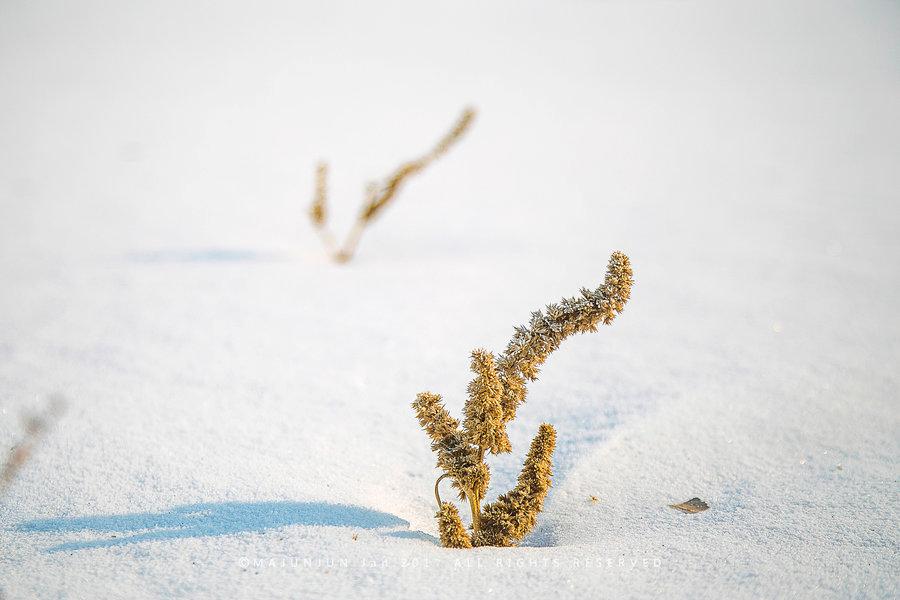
{"x":378,"y":195}
{"x":36,"y":425}
{"x":494,"y":394}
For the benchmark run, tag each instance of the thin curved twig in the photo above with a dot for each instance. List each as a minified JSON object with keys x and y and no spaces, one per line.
{"x":437,"y":493}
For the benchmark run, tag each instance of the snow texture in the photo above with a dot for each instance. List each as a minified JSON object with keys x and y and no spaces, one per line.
{"x":239,"y":421}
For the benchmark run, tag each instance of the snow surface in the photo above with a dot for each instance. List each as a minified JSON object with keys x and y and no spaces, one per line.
{"x":239,"y":421}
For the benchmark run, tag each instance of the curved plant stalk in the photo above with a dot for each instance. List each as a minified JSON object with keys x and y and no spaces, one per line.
{"x":378,"y":195}
{"x":494,"y":394}
{"x":437,"y":491}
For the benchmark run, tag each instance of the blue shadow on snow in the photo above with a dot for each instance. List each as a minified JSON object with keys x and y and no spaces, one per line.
{"x":209,"y":519}
{"x":199,"y":255}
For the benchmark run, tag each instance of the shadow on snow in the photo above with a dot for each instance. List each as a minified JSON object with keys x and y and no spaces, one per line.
{"x":198,"y":255}
{"x":210,"y":519}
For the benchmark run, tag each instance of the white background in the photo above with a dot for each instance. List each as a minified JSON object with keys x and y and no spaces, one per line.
{"x":157,"y":267}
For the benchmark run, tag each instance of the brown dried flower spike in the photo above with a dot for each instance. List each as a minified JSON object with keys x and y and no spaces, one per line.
{"x":378,"y":195}
{"x":494,"y":395}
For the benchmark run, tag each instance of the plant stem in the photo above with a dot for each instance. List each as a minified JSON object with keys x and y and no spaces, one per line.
{"x":346,"y":253}
{"x":475,"y":500}
{"x":474,"y":504}
{"x":437,"y":493}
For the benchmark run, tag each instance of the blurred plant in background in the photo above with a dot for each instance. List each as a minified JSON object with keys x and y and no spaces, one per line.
{"x":36,"y":426}
{"x":378,"y":195}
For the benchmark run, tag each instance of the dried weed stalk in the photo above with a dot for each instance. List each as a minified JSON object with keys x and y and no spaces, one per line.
{"x":378,"y":195}
{"x":494,"y":394}
{"x":36,"y":425}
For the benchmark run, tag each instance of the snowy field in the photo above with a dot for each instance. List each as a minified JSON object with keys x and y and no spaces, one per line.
{"x":238,"y":420}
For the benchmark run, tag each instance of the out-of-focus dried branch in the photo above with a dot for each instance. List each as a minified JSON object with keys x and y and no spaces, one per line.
{"x":36,"y":426}
{"x":378,"y":195}
{"x":318,"y":210}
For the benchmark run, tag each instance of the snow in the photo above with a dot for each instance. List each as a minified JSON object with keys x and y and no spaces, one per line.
{"x":238,"y":416}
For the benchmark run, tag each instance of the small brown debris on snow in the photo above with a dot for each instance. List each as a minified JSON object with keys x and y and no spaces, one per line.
{"x":694,"y":505}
